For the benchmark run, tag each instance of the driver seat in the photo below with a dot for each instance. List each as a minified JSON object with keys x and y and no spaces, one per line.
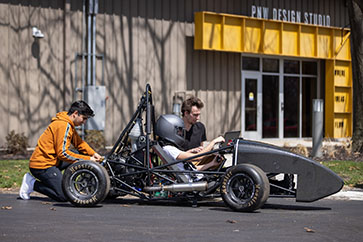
{"x":181,"y":177}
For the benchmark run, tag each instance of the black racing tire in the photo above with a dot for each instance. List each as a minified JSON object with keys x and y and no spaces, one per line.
{"x":245,"y":188}
{"x":85,"y":183}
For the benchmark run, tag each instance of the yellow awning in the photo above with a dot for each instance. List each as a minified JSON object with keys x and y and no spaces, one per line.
{"x":234,"y":33}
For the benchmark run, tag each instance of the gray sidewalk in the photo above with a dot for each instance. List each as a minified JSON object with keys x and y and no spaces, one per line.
{"x":348,"y":193}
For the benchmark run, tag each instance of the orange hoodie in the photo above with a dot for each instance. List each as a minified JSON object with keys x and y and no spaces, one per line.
{"x":53,"y":144}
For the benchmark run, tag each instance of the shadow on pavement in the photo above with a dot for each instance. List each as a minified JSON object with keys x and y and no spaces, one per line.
{"x":213,"y":204}
{"x":42,"y":199}
{"x":69,"y":205}
{"x":293,"y":207}
{"x":161,"y":202}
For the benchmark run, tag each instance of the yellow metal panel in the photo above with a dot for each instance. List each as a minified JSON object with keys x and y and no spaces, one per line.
{"x":227,"y":32}
{"x":198,"y":36}
{"x":232,"y":34}
{"x":338,"y":99}
{"x":271,"y":41}
{"x":342,"y":100}
{"x":212,"y":32}
{"x":342,"y":74}
{"x":307,"y":41}
{"x":342,"y":125}
{"x":342,"y":48}
{"x":324,"y":43}
{"x":290,"y":37}
{"x":252,"y":35}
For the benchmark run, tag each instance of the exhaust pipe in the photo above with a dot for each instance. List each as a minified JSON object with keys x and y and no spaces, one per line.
{"x":183,"y":187}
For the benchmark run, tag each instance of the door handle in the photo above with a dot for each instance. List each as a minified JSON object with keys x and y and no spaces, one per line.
{"x":282,"y":106}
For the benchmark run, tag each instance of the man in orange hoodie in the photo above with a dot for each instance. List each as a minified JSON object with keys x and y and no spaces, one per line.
{"x":52,"y":153}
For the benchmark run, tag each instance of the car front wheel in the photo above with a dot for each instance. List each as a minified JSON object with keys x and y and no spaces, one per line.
{"x":85,"y":183}
{"x":245,"y":188}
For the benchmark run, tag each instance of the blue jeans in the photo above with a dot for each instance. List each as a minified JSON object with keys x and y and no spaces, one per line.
{"x":49,"y":181}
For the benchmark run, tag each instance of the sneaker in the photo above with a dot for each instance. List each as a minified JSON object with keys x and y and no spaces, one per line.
{"x":27,"y":186}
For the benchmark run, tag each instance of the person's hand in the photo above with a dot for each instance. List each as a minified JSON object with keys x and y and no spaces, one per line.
{"x":219,"y":139}
{"x":196,"y":149}
{"x":96,"y":157}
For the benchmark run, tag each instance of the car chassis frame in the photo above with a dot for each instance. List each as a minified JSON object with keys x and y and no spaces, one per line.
{"x":140,"y":168}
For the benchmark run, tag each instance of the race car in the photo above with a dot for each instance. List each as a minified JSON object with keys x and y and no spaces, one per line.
{"x":138,"y":166}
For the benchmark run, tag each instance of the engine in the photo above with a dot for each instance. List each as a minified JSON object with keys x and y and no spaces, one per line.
{"x":125,"y":169}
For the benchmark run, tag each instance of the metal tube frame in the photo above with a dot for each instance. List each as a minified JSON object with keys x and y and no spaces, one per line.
{"x":162,"y":171}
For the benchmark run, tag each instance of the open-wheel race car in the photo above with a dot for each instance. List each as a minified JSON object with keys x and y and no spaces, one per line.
{"x":137,"y":165}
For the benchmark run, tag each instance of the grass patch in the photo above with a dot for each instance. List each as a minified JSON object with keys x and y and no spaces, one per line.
{"x":12,"y":172}
{"x":351,"y":172}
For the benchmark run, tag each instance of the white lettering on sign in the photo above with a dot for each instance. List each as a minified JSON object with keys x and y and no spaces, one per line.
{"x":288,"y":15}
{"x":259,"y":12}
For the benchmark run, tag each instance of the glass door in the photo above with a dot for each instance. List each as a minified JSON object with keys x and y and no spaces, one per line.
{"x":291,"y":107}
{"x":251,"y":105}
{"x":308,"y":94}
{"x":277,"y":97}
{"x":270,"y":106}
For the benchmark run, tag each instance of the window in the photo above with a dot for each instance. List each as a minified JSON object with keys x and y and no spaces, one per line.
{"x":291,"y":67}
{"x":309,"y":68}
{"x":291,"y":106}
{"x":308,"y":94}
{"x":270,"y":65}
{"x":270,"y":104}
{"x":250,"y":63}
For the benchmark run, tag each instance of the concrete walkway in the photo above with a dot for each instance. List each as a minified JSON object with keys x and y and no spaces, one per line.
{"x":348,"y":193}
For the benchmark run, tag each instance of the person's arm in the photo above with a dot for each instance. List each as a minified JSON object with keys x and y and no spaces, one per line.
{"x":210,"y":146}
{"x":195,"y":150}
{"x":64,"y":136}
{"x":83,"y":147}
{"x":204,"y":167}
{"x":185,"y":155}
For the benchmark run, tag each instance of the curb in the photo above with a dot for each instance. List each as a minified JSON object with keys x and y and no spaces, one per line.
{"x":348,"y":193}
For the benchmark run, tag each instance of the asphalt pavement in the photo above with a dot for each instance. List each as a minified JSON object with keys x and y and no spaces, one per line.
{"x":41,"y":219}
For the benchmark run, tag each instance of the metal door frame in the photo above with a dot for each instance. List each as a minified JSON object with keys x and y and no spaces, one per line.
{"x":258,"y":133}
{"x":258,"y":75}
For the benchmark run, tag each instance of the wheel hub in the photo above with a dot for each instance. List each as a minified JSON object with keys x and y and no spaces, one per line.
{"x":241,"y":189}
{"x":84,"y":183}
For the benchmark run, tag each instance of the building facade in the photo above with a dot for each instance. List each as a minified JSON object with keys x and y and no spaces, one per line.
{"x":257,"y":65}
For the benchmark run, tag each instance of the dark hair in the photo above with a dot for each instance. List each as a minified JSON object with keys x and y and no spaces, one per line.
{"x":189,"y":103}
{"x":82,"y":107}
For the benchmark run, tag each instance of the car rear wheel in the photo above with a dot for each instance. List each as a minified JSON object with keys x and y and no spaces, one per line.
{"x":245,"y":188}
{"x":85,"y":183}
